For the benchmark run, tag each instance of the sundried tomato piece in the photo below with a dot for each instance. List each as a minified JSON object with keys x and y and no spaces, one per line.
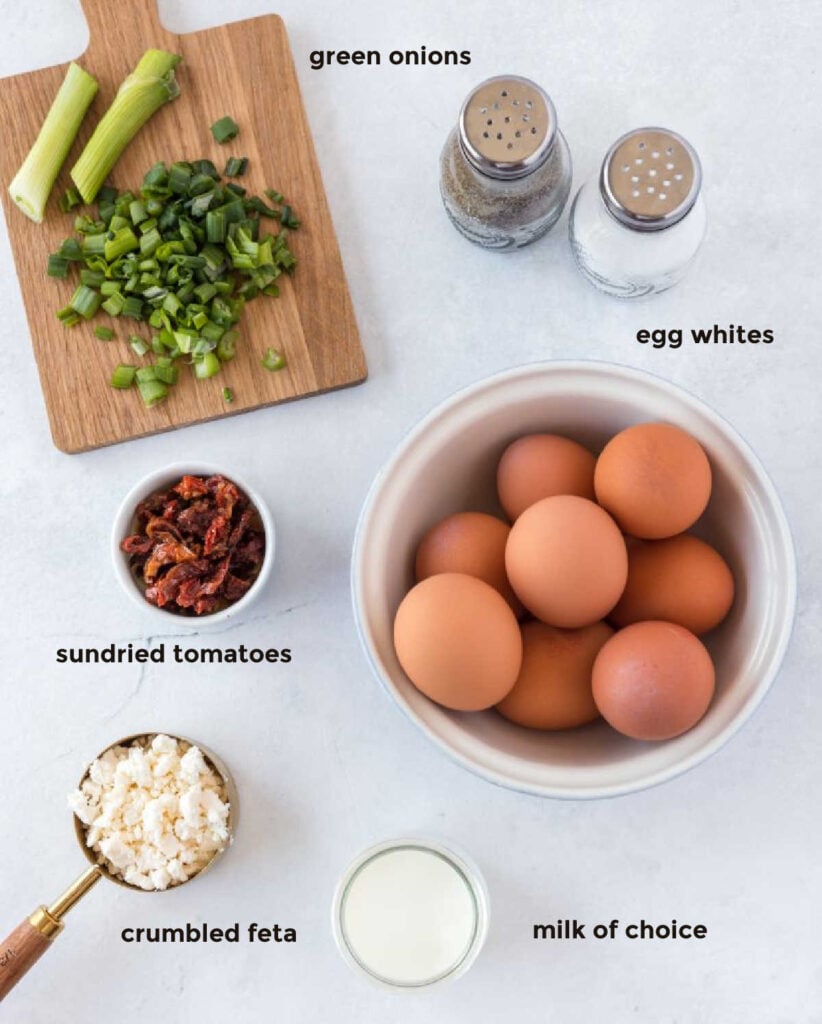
{"x":152,"y":505}
{"x":216,"y":536}
{"x":226,"y":495}
{"x":171,"y":509}
{"x":168,"y":553}
{"x":188,"y":593}
{"x":243,"y":523}
{"x":136,"y":545}
{"x":234,"y":587}
{"x":191,"y":487}
{"x":212,"y":584}
{"x":161,"y":529}
{"x":168,"y":586}
{"x":248,"y":555}
{"x":206,"y":605}
{"x":196,"y":519}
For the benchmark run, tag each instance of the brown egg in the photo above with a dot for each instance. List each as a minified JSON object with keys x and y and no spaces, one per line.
{"x":653,"y":680}
{"x":472,"y":543}
{"x":540,"y":466}
{"x":553,"y":689}
{"x":654,"y":479}
{"x":458,"y":641}
{"x":682,"y":580}
{"x":566,"y":561}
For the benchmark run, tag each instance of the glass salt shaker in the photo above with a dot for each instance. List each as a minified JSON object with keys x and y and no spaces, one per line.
{"x":505,"y":170}
{"x":637,"y":229}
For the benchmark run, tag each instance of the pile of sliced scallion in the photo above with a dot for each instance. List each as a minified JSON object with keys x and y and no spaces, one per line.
{"x":184,"y":255}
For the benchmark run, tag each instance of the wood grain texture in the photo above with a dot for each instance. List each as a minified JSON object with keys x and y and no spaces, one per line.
{"x":19,"y":953}
{"x":245,"y":70}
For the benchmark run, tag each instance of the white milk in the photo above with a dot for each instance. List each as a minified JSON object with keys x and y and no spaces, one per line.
{"x":409,"y":916}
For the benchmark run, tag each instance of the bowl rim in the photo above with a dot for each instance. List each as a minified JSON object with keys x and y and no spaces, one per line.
{"x":125,"y":513}
{"x":782,"y":536}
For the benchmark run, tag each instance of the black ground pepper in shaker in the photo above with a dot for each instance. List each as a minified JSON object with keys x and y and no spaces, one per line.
{"x":505,"y":170}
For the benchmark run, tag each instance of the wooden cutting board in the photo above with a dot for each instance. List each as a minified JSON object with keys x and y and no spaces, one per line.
{"x":244,"y":70}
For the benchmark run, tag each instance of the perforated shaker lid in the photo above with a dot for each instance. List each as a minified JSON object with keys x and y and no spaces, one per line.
{"x":507,"y":127}
{"x":650,"y":178}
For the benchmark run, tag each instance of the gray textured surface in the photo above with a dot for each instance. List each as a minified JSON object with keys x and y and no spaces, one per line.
{"x":324,"y":763}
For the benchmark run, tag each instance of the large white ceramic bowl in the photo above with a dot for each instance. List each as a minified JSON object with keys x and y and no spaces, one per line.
{"x":447,"y":464}
{"x":160,"y":480}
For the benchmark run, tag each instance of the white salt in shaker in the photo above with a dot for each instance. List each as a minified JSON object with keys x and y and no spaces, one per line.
{"x":636,"y":230}
{"x":505,"y":170}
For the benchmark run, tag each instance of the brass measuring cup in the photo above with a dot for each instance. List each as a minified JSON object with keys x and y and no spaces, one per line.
{"x":35,"y":934}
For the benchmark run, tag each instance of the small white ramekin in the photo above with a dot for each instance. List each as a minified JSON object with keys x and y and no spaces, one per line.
{"x":123,"y":521}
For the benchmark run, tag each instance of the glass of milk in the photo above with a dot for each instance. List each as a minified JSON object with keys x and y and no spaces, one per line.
{"x":410,"y":913}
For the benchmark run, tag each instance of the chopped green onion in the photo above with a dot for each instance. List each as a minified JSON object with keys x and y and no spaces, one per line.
{"x":205,"y":167}
{"x":69,"y":199}
{"x":272,"y":360}
{"x":166,"y":374}
{"x":227,"y":346}
{"x":256,"y":204}
{"x":114,"y":304}
{"x":225,"y":129}
{"x":123,"y":376}
{"x":179,"y":178}
{"x":147,"y":88}
{"x":185,"y":255}
{"x":236,"y":166}
{"x":137,"y":211}
{"x":85,"y":301}
{"x":152,"y":391}
{"x":103,"y":333}
{"x":58,"y":266}
{"x":93,"y":278}
{"x":124,"y":241}
{"x":206,"y":366}
{"x":150,"y":242}
{"x":67,"y":316}
{"x":228,"y":395}
{"x":32,"y":184}
{"x":138,"y":345}
{"x":287,"y":218}
{"x":133,"y":307}
{"x":93,"y":245}
{"x":70,"y":250}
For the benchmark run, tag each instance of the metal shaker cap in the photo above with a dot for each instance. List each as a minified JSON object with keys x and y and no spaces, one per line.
{"x":650,"y":179}
{"x":507,"y":127}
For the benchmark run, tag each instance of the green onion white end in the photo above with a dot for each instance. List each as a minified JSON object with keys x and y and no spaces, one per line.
{"x":150,"y":85}
{"x":33,"y":183}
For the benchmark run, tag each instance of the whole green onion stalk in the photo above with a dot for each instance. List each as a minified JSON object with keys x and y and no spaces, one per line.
{"x":150,"y":85}
{"x":33,"y":183}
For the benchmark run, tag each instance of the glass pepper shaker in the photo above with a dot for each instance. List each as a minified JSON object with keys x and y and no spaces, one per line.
{"x":505,"y":170}
{"x":636,"y":230}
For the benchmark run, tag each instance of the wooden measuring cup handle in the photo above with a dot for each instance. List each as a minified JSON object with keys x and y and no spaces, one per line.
{"x":22,"y":949}
{"x":32,"y":937}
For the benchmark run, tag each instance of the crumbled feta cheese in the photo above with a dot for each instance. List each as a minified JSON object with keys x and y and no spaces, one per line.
{"x":155,"y":813}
